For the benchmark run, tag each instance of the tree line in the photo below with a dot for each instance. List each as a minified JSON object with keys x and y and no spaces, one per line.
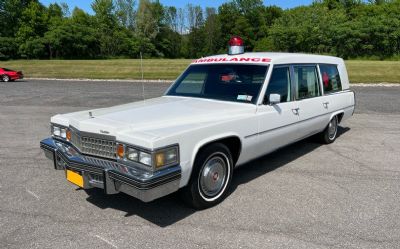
{"x":128,"y":28}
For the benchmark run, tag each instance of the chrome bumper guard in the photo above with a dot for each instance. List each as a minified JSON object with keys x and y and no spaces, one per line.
{"x":111,"y":176}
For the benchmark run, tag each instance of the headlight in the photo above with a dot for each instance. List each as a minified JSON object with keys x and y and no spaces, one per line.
{"x":156,"y":159}
{"x":63,"y":133}
{"x":132,"y":154}
{"x":166,"y":157}
{"x":145,"y":158}
{"x":59,"y":131}
{"x":136,"y":155}
{"x":56,"y":131}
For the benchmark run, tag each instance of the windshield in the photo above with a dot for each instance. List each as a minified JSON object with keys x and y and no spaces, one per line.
{"x":230,"y":82}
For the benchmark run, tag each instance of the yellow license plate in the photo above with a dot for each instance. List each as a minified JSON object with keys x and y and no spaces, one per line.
{"x":75,"y":178}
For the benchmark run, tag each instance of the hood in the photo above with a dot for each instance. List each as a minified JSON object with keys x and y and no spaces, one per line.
{"x":157,"y":117}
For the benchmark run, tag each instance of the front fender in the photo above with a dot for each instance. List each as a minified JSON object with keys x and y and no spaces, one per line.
{"x":200,"y":144}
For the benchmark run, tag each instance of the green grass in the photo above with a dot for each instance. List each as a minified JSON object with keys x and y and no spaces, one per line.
{"x":359,"y":70}
{"x":99,"y":69}
{"x":373,"y":71}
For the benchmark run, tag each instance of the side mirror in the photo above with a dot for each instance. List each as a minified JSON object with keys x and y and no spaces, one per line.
{"x":274,"y":99}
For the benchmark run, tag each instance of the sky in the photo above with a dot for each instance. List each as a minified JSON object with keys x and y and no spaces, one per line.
{"x":85,"y":4}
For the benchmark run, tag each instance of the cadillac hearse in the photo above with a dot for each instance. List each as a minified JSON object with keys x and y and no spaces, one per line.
{"x":222,"y":112}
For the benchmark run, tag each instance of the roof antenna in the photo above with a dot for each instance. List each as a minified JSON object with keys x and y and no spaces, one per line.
{"x":141,"y":69}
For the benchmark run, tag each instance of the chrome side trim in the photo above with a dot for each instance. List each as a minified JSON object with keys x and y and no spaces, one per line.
{"x":283,"y":126}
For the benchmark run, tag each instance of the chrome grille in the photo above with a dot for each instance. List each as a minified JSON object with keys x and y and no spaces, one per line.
{"x":90,"y":145}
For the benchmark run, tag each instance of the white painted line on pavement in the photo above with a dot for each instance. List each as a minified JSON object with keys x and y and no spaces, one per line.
{"x":33,"y":194}
{"x":106,"y":241}
{"x":383,"y":84}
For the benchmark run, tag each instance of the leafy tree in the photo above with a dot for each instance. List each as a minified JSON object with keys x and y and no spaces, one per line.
{"x":126,"y":13}
{"x":10,"y":14}
{"x":213,"y":33}
{"x":8,"y":48}
{"x":126,"y":28}
{"x":32,"y":26}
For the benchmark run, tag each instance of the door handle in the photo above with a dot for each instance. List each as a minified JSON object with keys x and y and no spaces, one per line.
{"x":326,"y":104}
{"x":296,"y":111}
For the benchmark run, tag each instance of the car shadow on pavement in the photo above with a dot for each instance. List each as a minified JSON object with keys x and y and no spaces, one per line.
{"x":170,"y":209}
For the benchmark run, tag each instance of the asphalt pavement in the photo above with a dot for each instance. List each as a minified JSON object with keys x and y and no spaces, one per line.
{"x":307,"y":195}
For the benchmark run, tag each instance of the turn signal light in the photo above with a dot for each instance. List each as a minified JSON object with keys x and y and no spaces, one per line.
{"x":68,"y":136}
{"x":120,"y":151}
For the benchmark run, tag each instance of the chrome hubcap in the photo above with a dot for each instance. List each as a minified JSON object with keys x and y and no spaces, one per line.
{"x":332,"y":128}
{"x":213,"y":176}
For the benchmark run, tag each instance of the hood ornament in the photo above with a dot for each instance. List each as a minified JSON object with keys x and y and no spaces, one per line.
{"x":91,"y":115}
{"x":104,"y":132}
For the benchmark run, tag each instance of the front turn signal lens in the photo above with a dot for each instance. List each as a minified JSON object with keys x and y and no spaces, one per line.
{"x":120,"y":151}
{"x":68,"y":135}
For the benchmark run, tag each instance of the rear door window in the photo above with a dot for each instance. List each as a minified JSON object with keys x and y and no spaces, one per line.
{"x":330,"y":78}
{"x":306,"y":82}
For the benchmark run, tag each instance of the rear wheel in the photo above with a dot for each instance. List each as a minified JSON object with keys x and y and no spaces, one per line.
{"x":211,"y":177}
{"x":5,"y":78}
{"x":329,"y":134}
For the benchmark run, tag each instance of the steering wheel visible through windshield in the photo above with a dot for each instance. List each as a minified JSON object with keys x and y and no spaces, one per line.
{"x":229,"y":82}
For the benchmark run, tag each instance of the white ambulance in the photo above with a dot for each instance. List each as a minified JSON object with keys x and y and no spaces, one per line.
{"x":222,"y":112}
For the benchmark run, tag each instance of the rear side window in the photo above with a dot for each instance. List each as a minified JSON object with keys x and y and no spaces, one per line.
{"x":330,"y":78}
{"x":306,"y":81}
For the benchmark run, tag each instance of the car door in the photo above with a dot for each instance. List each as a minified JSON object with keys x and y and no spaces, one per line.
{"x":334,"y":98}
{"x":277,"y":122}
{"x":311,"y":104}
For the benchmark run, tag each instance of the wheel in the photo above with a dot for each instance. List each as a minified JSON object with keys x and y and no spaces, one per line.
{"x":211,"y":177}
{"x":328,"y":136}
{"x":5,"y":78}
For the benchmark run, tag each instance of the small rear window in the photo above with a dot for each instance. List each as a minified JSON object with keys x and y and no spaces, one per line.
{"x":330,"y":78}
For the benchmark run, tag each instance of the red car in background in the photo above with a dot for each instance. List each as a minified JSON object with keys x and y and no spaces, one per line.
{"x":7,"y":75}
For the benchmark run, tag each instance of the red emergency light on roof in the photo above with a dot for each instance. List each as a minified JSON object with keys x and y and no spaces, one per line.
{"x":236,"y":45}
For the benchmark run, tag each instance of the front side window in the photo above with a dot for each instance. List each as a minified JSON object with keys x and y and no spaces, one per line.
{"x":330,"y":78}
{"x":306,"y":81}
{"x":229,"y":82}
{"x":279,"y":84}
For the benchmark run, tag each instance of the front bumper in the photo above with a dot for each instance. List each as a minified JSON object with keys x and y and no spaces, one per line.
{"x":111,"y":176}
